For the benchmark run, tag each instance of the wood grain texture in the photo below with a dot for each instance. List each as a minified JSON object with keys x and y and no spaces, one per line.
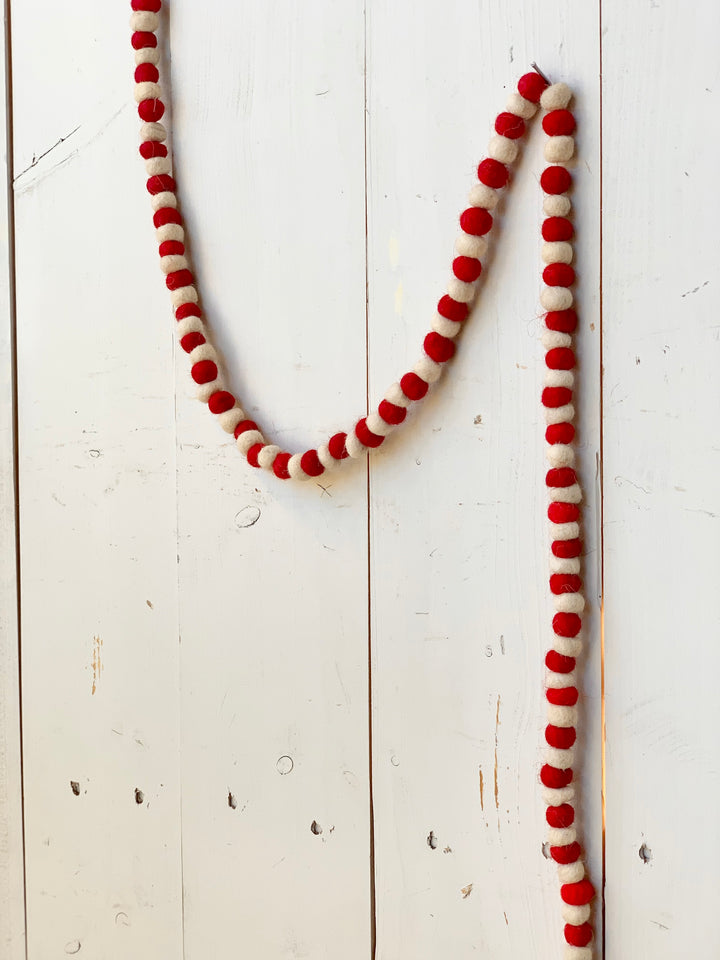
{"x":662,"y":500}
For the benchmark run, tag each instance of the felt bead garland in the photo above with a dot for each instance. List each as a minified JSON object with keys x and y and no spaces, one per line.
{"x":439,"y":347}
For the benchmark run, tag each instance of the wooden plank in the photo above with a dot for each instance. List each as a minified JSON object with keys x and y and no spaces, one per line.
{"x":97,"y":502}
{"x":662,"y":501}
{"x":268,"y":143}
{"x":459,"y":553}
{"x":12,"y":916}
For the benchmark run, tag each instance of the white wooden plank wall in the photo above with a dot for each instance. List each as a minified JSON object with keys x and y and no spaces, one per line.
{"x":306,"y":721}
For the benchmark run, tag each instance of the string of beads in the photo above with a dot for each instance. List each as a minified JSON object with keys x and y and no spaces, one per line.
{"x":370,"y":432}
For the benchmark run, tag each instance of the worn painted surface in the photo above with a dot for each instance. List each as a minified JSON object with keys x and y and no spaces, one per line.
{"x":303,"y":721}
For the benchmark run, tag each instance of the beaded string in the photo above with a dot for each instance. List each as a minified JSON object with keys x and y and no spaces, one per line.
{"x":369,"y":432}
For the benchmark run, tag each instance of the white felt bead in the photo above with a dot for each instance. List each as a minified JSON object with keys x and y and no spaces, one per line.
{"x":267,"y":455}
{"x":559,"y":149}
{"x":564,"y":414}
{"x":190,"y":325}
{"x":147,"y":91}
{"x":555,"y":338}
{"x":559,"y":251}
{"x":467,"y":245}
{"x":170,"y":231}
{"x":395,"y":395}
{"x":503,"y":149}
{"x":376,"y":424}
{"x":562,"y":716}
{"x":295,"y":469}
{"x":229,"y":419}
{"x":576,"y":915}
{"x":248,"y":439}
{"x":460,"y":291}
{"x":564,"y":564}
{"x":144,"y":21}
{"x":562,"y":759}
{"x":560,"y":455}
{"x":521,"y":107}
{"x":564,"y":531}
{"x":569,"y":602}
{"x":571,"y":494}
{"x":205,"y":390}
{"x":556,"y":97}
{"x":554,"y":796}
{"x":147,"y":55}
{"x":427,"y":369}
{"x":445,"y":327}
{"x":183,"y":295}
{"x":353,"y":446}
{"x":567,"y":646}
{"x":556,"y":298}
{"x":559,"y":681}
{"x":205,"y":351}
{"x":557,"y":205}
{"x":561,"y":837}
{"x":173,"y":262}
{"x":152,"y":131}
{"x":164,"y":199}
{"x":326,"y":458}
{"x":559,"y":378}
{"x":571,"y":872}
{"x":483,"y":196}
{"x":578,"y":953}
{"x":157,"y":165}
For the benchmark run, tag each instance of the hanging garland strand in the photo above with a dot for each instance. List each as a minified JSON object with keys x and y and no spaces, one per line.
{"x":438,"y":347}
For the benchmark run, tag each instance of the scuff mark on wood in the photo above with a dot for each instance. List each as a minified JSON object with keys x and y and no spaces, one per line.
{"x":495,"y":771}
{"x":482,"y":789}
{"x":97,"y":666}
{"x":466,"y":891}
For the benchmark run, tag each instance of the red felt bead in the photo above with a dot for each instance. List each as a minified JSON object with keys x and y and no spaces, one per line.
{"x":452,"y":309}
{"x":578,"y":935}
{"x":531,"y":86}
{"x":438,"y":348}
{"x":142,"y":38}
{"x":560,"y":433}
{"x":391,"y":413}
{"x":565,"y":582}
{"x":560,"y":817}
{"x":558,"y":123}
{"x":467,"y":269}
{"x":559,"y":275}
{"x":336,"y":446}
{"x":310,"y":462}
{"x":562,"y":696}
{"x":187,"y":310}
{"x":365,"y":434}
{"x":566,"y":549}
{"x":560,"y":358}
{"x":555,"y":180}
{"x":562,"y":738}
{"x":169,"y":248}
{"x":152,"y":148}
{"x":220,"y":401}
{"x":492,"y":173}
{"x":556,"y":396}
{"x":243,"y":427}
{"x":566,"y":853}
{"x":413,"y":387}
{"x":153,"y":6}
{"x":160,"y":183}
{"x":567,"y":624}
{"x":204,"y":371}
{"x":557,"y":228}
{"x":146,"y":73}
{"x":179,"y":278}
{"x":558,"y":662}
{"x":564,"y":321}
{"x":253,"y":454}
{"x":166,"y":215}
{"x":280,"y":466}
{"x":577,"y":894}
{"x":510,"y":126}
{"x":476,"y":221}
{"x":192,"y":340}
{"x":151,"y":110}
{"x":555,"y":778}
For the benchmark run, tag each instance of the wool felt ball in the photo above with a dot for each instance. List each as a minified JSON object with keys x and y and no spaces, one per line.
{"x":151,"y":110}
{"x":531,"y":86}
{"x":192,"y":340}
{"x":559,"y":275}
{"x":566,"y":548}
{"x":280,"y":466}
{"x":577,"y":894}
{"x":555,"y":777}
{"x":562,"y":696}
{"x":467,"y":269}
{"x":452,"y":309}
{"x":391,"y":413}
{"x":365,"y":435}
{"x":556,"y":396}
{"x":560,"y":433}
{"x":559,"y":663}
{"x":561,"y":816}
{"x":558,"y":123}
{"x":221,"y":401}
{"x":563,"y":321}
{"x":413,"y":387}
{"x":566,"y":853}
{"x":311,"y":463}
{"x":152,"y":6}
{"x":476,"y":221}
{"x":492,"y":173}
{"x":509,"y":125}
{"x":336,"y":445}
{"x":566,"y":624}
{"x":149,"y":149}
{"x":438,"y":348}
{"x":555,"y":180}
{"x":204,"y":371}
{"x":143,"y":38}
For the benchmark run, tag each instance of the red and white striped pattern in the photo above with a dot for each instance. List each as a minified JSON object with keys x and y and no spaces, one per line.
{"x":438,"y":347}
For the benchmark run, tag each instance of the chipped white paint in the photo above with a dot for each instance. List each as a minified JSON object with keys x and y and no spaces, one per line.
{"x":195,"y":634}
